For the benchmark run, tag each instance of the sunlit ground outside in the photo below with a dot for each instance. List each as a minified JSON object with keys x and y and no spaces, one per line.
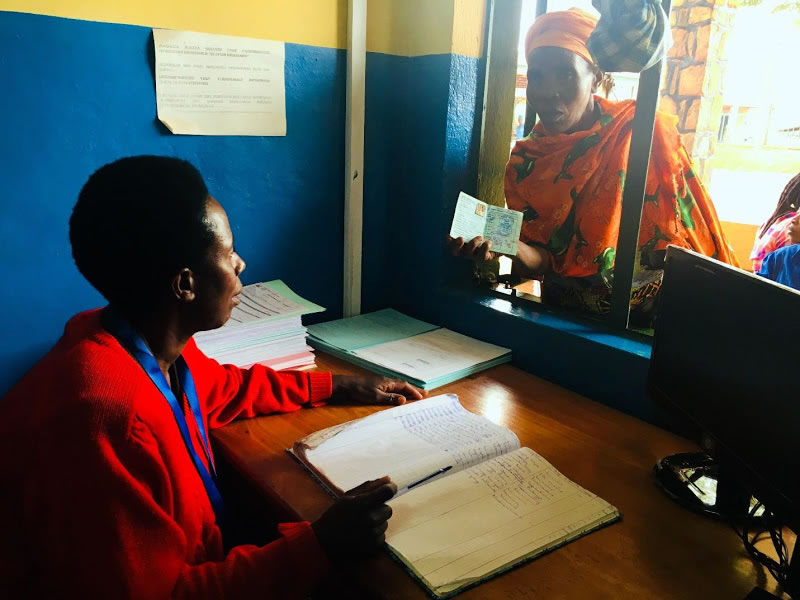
{"x":759,"y":139}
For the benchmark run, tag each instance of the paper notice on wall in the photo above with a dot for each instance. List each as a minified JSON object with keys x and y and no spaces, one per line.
{"x":219,"y":84}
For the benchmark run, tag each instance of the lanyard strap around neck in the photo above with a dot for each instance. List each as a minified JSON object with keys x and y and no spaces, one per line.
{"x":121,"y":329}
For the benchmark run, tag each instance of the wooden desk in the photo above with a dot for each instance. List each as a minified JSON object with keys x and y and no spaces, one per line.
{"x":658,"y":550}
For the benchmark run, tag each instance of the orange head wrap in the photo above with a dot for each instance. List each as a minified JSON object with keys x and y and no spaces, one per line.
{"x":568,"y":29}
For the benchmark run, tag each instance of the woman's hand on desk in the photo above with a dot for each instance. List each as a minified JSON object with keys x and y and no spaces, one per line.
{"x":356,"y":524}
{"x":367,"y":389}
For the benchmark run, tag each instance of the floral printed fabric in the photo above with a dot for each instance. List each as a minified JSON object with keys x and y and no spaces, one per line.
{"x":569,"y":189}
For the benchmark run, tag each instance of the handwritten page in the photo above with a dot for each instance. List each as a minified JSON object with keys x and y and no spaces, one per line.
{"x":408,"y":443}
{"x":432,"y":354}
{"x":369,"y":329}
{"x":465,"y":527}
{"x":269,"y":300}
{"x":474,"y":218}
{"x":209,"y":84}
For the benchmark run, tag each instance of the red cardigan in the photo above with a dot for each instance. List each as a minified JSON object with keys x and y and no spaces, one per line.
{"x":100,"y":498}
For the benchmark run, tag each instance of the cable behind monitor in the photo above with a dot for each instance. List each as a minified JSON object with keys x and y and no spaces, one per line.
{"x":752,"y":531}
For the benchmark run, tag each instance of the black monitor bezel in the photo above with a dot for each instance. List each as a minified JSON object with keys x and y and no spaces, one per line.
{"x":704,"y":434}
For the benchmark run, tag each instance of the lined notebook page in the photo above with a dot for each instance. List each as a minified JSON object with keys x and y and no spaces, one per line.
{"x":462,"y":528}
{"x":407,"y":442}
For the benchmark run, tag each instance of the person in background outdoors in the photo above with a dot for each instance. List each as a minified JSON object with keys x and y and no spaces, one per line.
{"x":109,"y":484}
{"x":773,"y":233}
{"x":519,"y":132}
{"x":568,"y":175}
{"x":783,"y":265}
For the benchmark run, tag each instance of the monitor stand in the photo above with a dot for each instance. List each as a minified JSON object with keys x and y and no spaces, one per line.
{"x":697,"y":482}
{"x":760,"y":594}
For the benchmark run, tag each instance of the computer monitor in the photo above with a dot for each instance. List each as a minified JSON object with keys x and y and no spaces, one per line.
{"x":726,"y":363}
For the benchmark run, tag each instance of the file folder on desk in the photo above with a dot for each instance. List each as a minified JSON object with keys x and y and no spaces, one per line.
{"x":392,"y":344}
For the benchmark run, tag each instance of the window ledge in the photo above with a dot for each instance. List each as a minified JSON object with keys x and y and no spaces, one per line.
{"x":576,"y":353}
{"x":569,"y":324}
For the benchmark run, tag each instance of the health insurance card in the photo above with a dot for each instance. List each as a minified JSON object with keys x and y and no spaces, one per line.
{"x":475,"y":218}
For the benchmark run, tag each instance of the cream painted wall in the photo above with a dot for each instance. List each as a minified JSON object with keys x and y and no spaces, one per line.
{"x":419,"y":27}
{"x":402,"y":27}
{"x":312,"y":22}
{"x":469,"y":17}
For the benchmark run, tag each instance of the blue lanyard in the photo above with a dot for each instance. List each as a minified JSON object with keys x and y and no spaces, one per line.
{"x":121,"y":329}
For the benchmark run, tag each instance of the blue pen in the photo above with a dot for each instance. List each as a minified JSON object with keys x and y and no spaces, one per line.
{"x":431,"y":476}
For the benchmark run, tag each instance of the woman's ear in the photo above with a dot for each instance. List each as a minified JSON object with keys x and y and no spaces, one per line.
{"x":184,"y":285}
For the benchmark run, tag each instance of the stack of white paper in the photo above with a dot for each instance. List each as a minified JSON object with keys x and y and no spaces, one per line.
{"x":266,"y":328}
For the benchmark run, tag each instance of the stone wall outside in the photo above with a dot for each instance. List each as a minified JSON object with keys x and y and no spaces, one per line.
{"x":695,"y":72}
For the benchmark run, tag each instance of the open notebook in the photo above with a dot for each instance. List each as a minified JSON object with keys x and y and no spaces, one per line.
{"x":470,"y":504}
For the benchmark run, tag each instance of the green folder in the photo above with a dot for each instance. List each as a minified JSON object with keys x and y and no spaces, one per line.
{"x":394,"y":345}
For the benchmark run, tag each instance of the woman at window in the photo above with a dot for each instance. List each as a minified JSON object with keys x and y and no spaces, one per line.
{"x":109,"y":486}
{"x":774,"y":233}
{"x":568,"y":176}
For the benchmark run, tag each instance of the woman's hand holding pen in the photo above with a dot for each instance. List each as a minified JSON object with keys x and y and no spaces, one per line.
{"x":356,"y":524}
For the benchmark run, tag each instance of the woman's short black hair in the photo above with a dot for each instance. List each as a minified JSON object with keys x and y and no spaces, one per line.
{"x":137,"y":222}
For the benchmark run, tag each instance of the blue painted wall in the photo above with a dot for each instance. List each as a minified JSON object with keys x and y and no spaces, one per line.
{"x":422,"y":149}
{"x":80,"y":94}
{"x":385,"y":174}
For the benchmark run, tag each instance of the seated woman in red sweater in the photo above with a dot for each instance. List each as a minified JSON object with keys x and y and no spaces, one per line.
{"x":109,"y":481}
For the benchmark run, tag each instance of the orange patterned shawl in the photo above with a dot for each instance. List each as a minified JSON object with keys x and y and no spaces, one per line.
{"x":569,"y":189}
